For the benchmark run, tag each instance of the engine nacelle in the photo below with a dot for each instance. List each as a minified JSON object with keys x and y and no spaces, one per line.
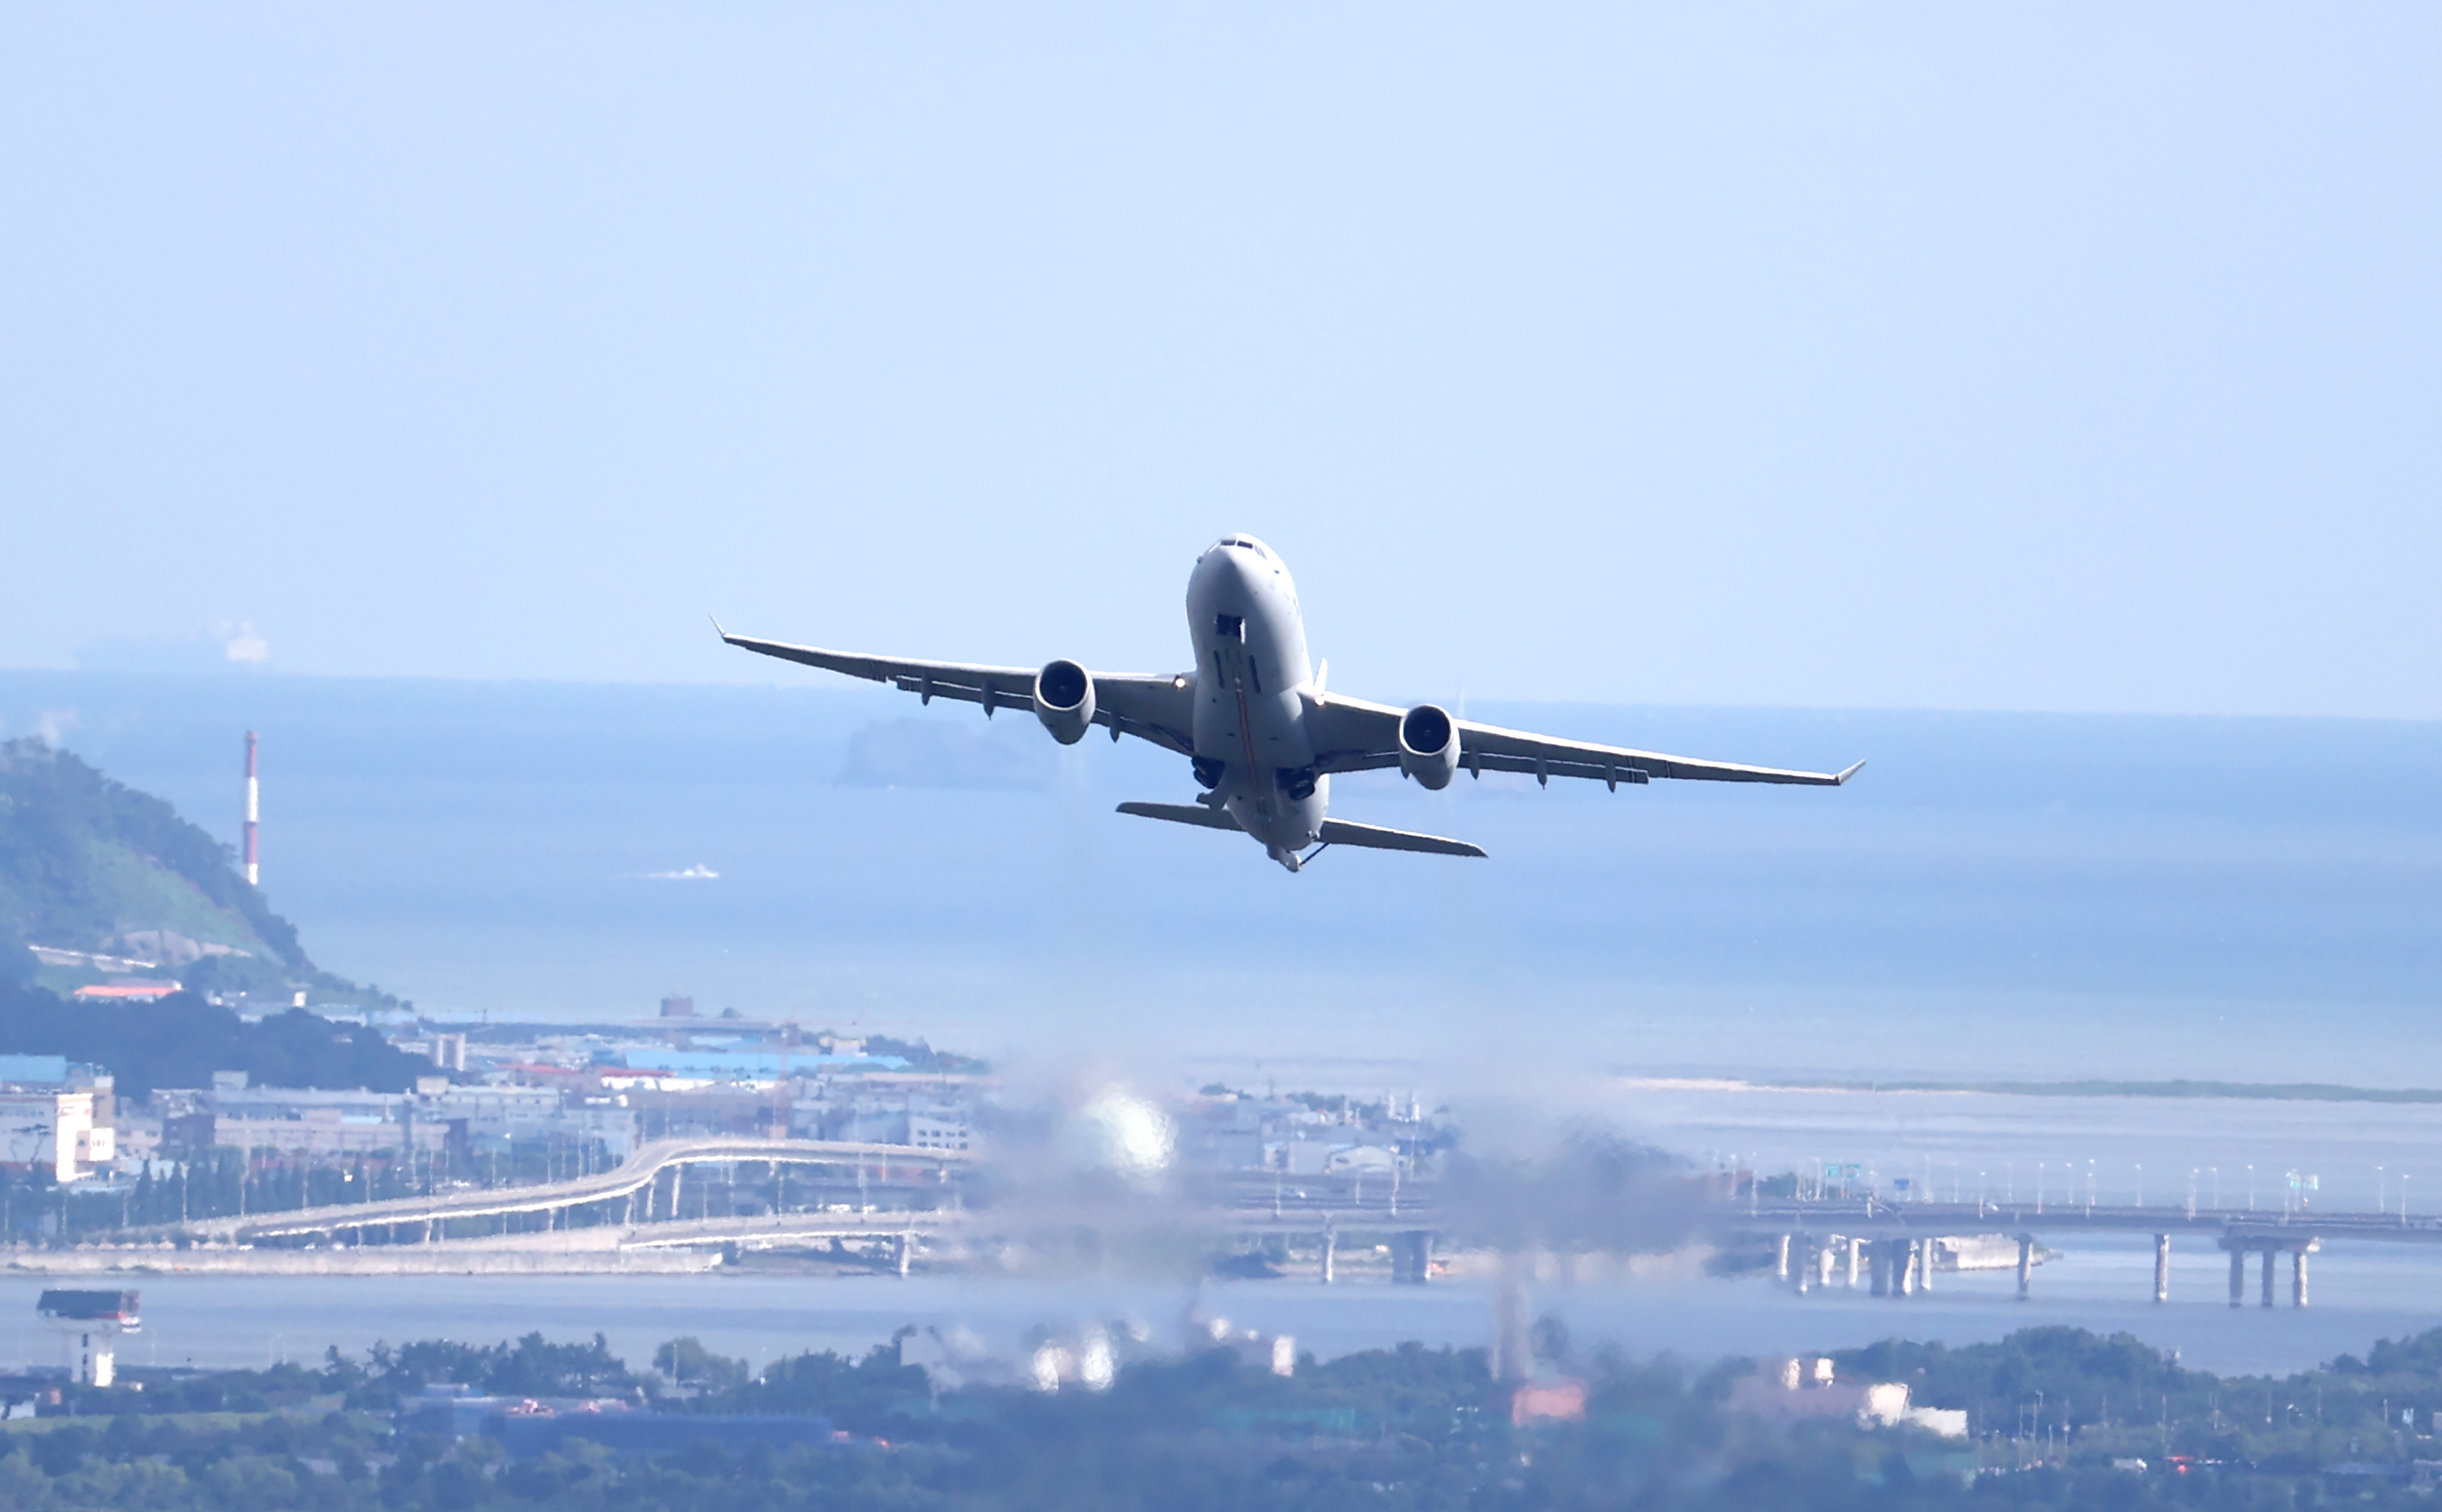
{"x":1064,"y":700}
{"x":1428,"y":746}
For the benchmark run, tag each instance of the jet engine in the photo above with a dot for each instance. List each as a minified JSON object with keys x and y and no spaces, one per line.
{"x":1064,"y":700}
{"x":1428,"y":746}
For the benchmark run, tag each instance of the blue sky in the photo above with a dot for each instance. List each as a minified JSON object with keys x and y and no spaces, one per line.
{"x":2069,"y":358}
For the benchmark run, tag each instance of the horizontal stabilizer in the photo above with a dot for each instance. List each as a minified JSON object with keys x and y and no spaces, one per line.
{"x":1195,"y":813}
{"x":1374,"y":837}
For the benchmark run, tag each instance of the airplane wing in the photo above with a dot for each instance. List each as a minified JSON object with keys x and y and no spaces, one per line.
{"x":1150,"y":707}
{"x":1354,"y":736}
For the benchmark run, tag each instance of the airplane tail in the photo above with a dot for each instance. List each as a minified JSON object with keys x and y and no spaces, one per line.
{"x":1374,"y":837}
{"x":1195,"y":813}
{"x":1334,"y":831}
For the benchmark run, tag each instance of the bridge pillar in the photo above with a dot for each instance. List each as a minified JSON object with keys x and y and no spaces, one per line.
{"x":903,"y":1253}
{"x":1904,"y":1253}
{"x":1806,"y":1267}
{"x":1330,"y":1255}
{"x":678,"y":1174}
{"x":2161,"y":1267}
{"x":1826,"y":1258}
{"x":2297,"y":1277}
{"x":2237,"y":1275}
{"x":2025,"y":1266}
{"x":1924,"y":1265}
{"x":1780,"y":1259}
{"x":2268,"y":1276}
{"x":1852,"y":1263}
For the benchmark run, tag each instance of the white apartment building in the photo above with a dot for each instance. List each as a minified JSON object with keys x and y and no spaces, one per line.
{"x":933,"y":1131}
{"x":44,"y":1128}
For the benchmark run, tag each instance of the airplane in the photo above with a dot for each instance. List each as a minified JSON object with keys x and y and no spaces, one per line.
{"x":1259,"y":730}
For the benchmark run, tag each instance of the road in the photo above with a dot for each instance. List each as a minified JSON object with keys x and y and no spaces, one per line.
{"x":638,"y":1176}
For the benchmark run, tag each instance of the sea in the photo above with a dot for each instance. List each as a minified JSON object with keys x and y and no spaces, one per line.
{"x":1786,"y":978}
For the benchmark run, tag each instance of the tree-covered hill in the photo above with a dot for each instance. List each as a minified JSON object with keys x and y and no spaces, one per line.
{"x":1410,"y":1429}
{"x":181,"y":1040}
{"x":84,"y":860}
{"x":88,"y":864}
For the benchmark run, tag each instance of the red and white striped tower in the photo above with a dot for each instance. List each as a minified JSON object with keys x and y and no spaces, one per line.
{"x":253,"y":812}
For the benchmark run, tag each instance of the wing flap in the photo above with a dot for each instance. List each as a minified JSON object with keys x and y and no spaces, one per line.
{"x":893,"y":668}
{"x":1491,"y":748}
{"x":1150,"y":706}
{"x":1355,"y":736}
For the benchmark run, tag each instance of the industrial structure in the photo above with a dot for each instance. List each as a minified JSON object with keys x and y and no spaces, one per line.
{"x":94,"y":1321}
{"x":253,"y":816}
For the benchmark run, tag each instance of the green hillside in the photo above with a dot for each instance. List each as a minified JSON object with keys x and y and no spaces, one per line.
{"x":92,"y":866}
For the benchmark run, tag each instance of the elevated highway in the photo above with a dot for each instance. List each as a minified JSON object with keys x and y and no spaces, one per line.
{"x":636,"y":1183}
{"x":638,"y":1207}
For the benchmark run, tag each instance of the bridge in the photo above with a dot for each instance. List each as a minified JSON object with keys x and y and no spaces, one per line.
{"x":637,"y":1207}
{"x":1819,"y":1243}
{"x":1891,"y":1244}
{"x":636,"y":1184}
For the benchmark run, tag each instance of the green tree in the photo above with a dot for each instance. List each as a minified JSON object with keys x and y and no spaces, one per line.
{"x":686,"y":1362}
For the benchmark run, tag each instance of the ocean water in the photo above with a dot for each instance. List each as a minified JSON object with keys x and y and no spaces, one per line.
{"x":1997,"y":896}
{"x":2106,"y":1285}
{"x":2229,"y":1154}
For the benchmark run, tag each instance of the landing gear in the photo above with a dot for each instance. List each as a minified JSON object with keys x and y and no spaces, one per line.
{"x":1209,"y":772}
{"x":1294,"y":862}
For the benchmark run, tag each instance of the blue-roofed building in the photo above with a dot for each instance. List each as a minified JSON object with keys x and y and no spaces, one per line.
{"x":35,"y":1071}
{"x":754,"y":1066}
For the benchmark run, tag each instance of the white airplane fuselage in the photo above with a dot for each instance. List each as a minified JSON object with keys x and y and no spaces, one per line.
{"x":1262,"y":733}
{"x":1252,"y":678}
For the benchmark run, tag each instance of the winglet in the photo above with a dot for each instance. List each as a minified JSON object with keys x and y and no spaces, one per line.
{"x":717,"y":629}
{"x":1842,"y":780}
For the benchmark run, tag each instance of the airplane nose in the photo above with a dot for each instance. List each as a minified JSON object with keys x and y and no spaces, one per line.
{"x":1231,"y":569}
{"x":1226,"y":581}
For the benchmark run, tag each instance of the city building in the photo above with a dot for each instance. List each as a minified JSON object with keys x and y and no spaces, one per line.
{"x":310,"y":1122}
{"x":56,"y":1114}
{"x":47,"y":1128}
